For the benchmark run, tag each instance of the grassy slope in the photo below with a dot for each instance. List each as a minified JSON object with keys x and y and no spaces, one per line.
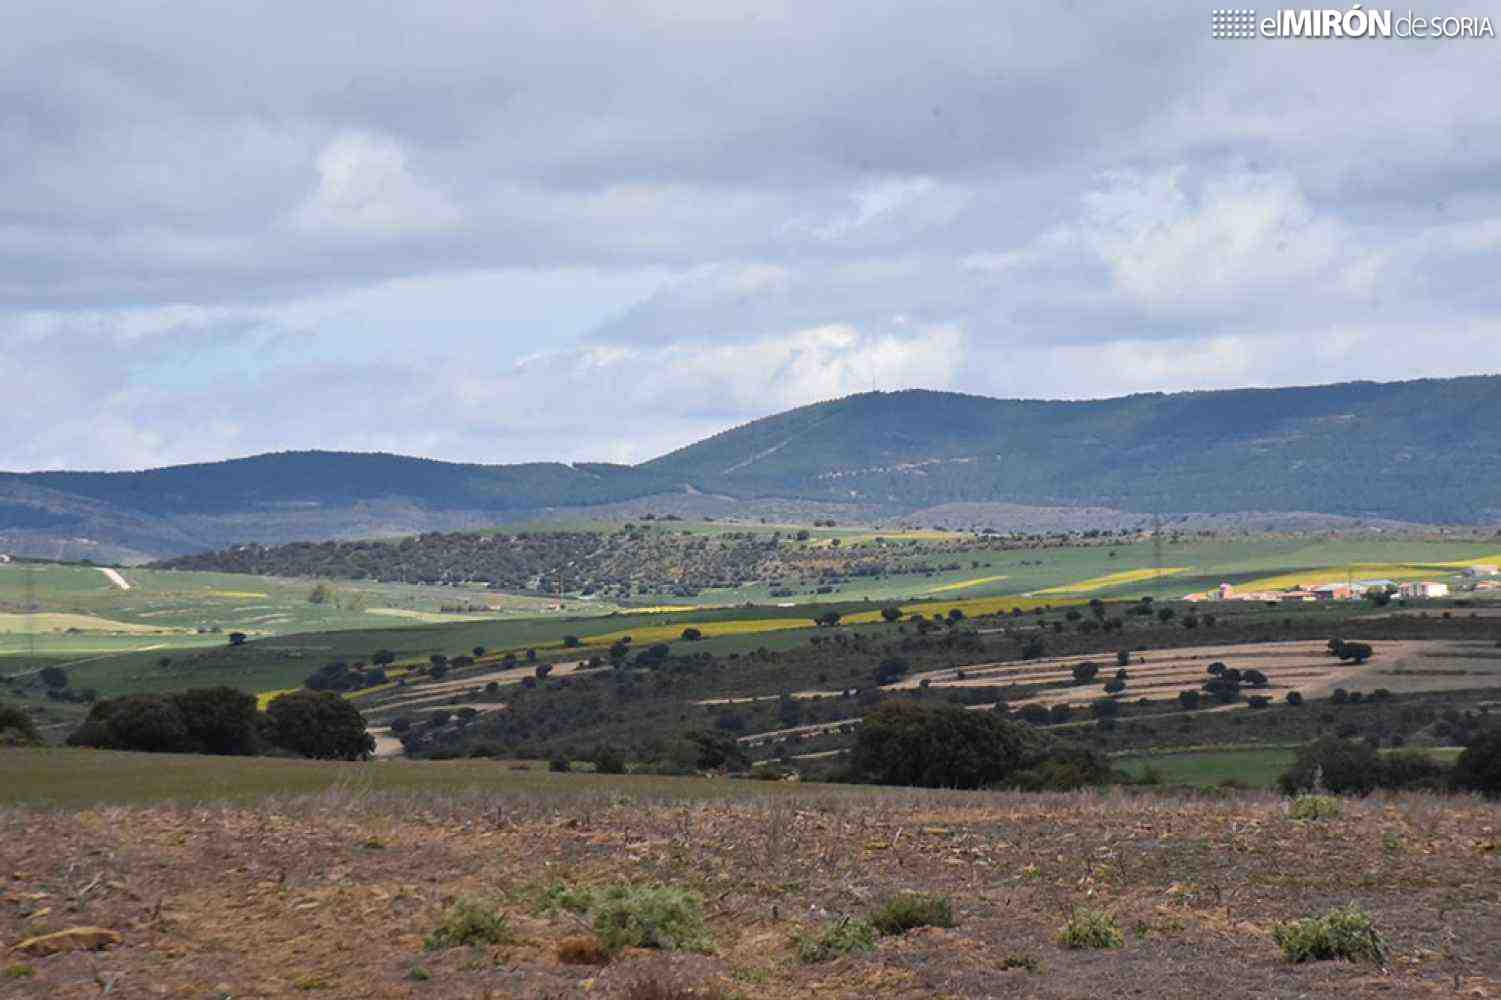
{"x":68,"y":778}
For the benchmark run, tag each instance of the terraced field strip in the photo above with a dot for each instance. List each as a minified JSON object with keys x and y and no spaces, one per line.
{"x":59,"y":621}
{"x":1111,"y":580}
{"x":965,"y":584}
{"x":433,"y":692}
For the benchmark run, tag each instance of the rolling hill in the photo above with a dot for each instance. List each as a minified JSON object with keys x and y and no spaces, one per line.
{"x":1427,"y":450}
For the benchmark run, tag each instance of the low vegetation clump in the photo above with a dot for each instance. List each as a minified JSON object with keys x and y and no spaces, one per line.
{"x":1314,"y":807}
{"x":839,"y":938}
{"x":634,"y":916}
{"x":908,"y":910}
{"x":469,"y":922}
{"x":17,"y":728}
{"x":582,"y":950}
{"x":1343,"y":933}
{"x":1091,"y":929}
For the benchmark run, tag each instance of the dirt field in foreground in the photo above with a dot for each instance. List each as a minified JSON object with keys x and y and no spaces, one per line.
{"x":332,"y":895}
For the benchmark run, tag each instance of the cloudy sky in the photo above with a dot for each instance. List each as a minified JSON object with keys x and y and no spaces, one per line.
{"x":517,"y":231}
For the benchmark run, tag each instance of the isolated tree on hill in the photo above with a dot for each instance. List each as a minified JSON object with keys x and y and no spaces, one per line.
{"x":319,"y":724}
{"x":891,"y":614}
{"x":1085,"y":672}
{"x":237,"y":638}
{"x":692,"y":634}
{"x":940,"y":746}
{"x":1115,"y":686}
{"x":320,"y":594}
{"x":891,"y":669}
{"x":1357,"y":651}
{"x":383,"y":658}
{"x":53,"y":677}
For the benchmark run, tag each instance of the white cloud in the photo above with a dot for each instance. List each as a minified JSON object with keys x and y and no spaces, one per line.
{"x":1239,"y":235}
{"x":366,"y":187}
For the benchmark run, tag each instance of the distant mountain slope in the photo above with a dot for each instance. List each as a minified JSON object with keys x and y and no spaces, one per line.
{"x":1426,"y":451}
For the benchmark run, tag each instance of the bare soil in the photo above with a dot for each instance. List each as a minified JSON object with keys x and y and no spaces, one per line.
{"x":332,"y":895}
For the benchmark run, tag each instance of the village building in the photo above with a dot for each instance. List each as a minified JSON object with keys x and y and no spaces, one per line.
{"x":1424,"y":589}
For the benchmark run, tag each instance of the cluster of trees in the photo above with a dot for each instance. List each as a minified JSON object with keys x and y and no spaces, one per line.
{"x":945,"y":746}
{"x":226,"y":721}
{"x":1355,"y":767}
{"x":341,"y":676}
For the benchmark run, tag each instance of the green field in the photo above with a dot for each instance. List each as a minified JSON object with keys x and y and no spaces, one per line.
{"x":66,"y":778}
{"x":1254,"y":767}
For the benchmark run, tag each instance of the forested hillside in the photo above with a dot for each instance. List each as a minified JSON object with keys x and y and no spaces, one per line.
{"x":1427,"y":451}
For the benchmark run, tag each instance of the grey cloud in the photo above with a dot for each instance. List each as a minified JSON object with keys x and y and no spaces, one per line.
{"x":1045,"y":180}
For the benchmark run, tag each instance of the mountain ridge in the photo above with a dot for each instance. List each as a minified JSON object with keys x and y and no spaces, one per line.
{"x":1425,"y":450}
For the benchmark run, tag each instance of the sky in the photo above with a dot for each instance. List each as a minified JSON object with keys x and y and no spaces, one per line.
{"x":601,"y":230}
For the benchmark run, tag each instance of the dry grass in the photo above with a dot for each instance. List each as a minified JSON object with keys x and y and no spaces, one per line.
{"x":257,"y":900}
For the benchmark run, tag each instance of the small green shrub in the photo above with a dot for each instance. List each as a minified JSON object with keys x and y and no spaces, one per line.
{"x":418,"y":974}
{"x":1091,"y":929}
{"x":19,"y":971}
{"x":1314,"y":807}
{"x":1021,"y":962}
{"x":840,"y":938}
{"x":650,"y":917}
{"x":903,"y":912}
{"x":560,"y":897}
{"x":1342,"y":933}
{"x":468,"y":922}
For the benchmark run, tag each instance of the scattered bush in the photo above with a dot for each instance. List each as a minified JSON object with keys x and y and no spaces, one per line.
{"x":903,"y":912}
{"x":1091,"y":929}
{"x":1342,"y":933}
{"x":839,"y":938}
{"x":468,"y":922}
{"x":1315,"y":807}
{"x":649,"y":917}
